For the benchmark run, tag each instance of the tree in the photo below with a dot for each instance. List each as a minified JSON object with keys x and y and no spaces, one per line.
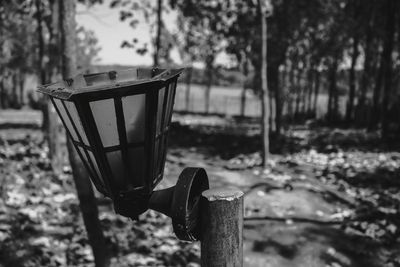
{"x":16,"y":45}
{"x":84,"y":188}
{"x":368,"y":23}
{"x":387,"y":62}
{"x":50,"y":122}
{"x":354,"y":7}
{"x":352,"y":80}
{"x":333,"y":91}
{"x":185,"y":48}
{"x":244,"y":68}
{"x":202,"y":39}
{"x":317,"y":83}
{"x":158,"y":35}
{"x":264,"y":85}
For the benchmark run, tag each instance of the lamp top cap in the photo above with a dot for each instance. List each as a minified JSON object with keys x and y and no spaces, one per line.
{"x":96,"y":82}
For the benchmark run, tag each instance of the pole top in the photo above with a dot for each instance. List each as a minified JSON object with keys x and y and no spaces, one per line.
{"x":227,"y":194}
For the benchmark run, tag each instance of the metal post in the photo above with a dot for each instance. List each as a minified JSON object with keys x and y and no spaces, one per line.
{"x":222,"y":227}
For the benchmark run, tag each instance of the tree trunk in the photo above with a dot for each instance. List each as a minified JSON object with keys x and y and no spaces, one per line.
{"x":352,"y":81}
{"x":283,"y":83}
{"x":333,"y":97}
{"x":377,"y":95}
{"x":207,"y":92}
{"x":244,"y":70}
{"x":303,"y":94}
{"x":298,"y":93}
{"x":53,"y":69}
{"x":54,"y":63}
{"x":264,"y":88}
{"x":274,"y":83}
{"x":158,"y":37}
{"x":42,"y":71}
{"x":83,"y":185}
{"x":271,"y":121}
{"x":14,"y":93}
{"x":21,"y":89}
{"x":387,"y":60}
{"x":317,"y":82}
{"x":189,"y":72}
{"x":243,"y":101}
{"x":291,"y":91}
{"x":311,"y":74}
{"x":367,"y":63}
{"x":2,"y":74}
{"x":39,"y":19}
{"x":2,"y":91}
{"x":49,"y":124}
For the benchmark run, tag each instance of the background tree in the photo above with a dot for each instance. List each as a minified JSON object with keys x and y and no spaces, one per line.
{"x":263,"y":12}
{"x":184,"y":41}
{"x":16,"y":28}
{"x":202,"y":38}
{"x":84,"y":187}
{"x":391,"y":7}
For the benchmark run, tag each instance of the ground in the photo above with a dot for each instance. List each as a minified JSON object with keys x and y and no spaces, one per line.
{"x":329,"y":197}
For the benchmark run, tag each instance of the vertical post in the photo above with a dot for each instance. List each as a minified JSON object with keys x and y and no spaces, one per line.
{"x":222,"y":228}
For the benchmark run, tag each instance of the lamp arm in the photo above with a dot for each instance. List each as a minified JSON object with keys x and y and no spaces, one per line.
{"x":182,"y":203}
{"x":161,"y":200}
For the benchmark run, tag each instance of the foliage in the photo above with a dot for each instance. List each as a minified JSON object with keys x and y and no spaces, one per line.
{"x":17,"y":29}
{"x":87,"y":49}
{"x":130,"y":12}
{"x":309,"y":40}
{"x":20,"y":40}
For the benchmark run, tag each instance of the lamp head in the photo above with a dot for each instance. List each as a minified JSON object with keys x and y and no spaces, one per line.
{"x":118,"y":122}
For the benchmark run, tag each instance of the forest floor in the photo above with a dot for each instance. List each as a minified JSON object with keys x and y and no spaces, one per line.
{"x":329,"y":197}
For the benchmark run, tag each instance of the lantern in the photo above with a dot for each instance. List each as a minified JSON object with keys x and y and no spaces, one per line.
{"x":118,"y":122}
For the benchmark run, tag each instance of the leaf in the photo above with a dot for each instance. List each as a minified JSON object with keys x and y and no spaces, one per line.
{"x":123,"y":15}
{"x":134,"y":23}
{"x":115,"y":3}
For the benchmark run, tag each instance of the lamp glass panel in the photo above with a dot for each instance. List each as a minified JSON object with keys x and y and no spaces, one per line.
{"x":170,"y":103}
{"x":162,"y":154}
{"x":136,"y":158}
{"x":96,"y":167}
{"x":77,"y":121}
{"x":64,"y":116}
{"x":117,"y":167}
{"x":134,"y":115}
{"x":157,"y":154}
{"x":161,"y":94}
{"x":106,"y":121}
{"x":86,"y":160}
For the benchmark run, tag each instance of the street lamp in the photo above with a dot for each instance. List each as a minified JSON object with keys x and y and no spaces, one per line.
{"x":118,"y":122}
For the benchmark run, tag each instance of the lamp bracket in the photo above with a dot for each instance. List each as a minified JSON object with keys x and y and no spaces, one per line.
{"x":182,"y":203}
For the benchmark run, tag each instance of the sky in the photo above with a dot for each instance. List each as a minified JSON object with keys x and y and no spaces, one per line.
{"x":110,"y":31}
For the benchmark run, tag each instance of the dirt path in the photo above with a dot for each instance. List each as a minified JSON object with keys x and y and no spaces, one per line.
{"x":287,"y":242}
